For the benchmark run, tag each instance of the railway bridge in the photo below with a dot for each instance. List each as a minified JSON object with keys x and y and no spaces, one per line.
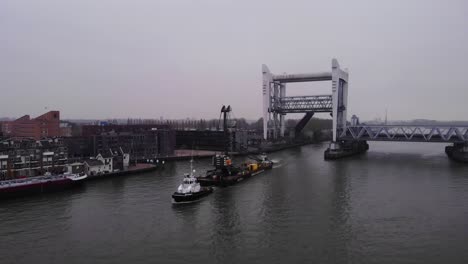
{"x":349,"y":138}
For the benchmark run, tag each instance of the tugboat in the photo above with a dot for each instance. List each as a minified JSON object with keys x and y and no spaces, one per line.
{"x":190,"y":190}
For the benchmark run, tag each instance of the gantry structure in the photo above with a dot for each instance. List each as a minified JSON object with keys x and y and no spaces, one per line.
{"x":276,"y":104}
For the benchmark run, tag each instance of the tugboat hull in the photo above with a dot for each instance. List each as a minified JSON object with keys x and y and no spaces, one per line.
{"x":191,"y":197}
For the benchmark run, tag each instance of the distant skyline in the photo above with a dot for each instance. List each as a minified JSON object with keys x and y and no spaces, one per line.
{"x":177,"y":59}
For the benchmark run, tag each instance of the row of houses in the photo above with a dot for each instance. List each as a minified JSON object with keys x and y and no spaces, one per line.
{"x":106,"y":162}
{"x":25,"y":157}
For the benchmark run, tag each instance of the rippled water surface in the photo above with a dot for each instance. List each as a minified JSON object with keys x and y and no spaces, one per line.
{"x":399,"y":203}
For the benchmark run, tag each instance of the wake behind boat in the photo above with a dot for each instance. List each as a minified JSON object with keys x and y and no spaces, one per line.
{"x":261,"y":164}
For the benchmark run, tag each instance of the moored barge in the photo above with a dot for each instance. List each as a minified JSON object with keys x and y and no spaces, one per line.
{"x":40,"y":184}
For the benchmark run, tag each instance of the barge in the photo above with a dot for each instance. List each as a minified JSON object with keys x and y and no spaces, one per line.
{"x":40,"y":184}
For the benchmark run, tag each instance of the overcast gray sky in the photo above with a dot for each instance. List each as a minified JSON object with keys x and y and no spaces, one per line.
{"x":118,"y":59}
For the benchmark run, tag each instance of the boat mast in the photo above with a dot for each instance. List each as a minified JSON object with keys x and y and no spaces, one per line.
{"x":191,"y":163}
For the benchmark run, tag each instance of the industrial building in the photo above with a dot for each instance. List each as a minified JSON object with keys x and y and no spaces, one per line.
{"x":43,"y":126}
{"x":142,"y":142}
{"x":239,"y":139}
{"x":92,"y":130}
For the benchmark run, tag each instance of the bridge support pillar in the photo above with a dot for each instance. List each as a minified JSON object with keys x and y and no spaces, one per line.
{"x":338,"y":150}
{"x":458,"y":152}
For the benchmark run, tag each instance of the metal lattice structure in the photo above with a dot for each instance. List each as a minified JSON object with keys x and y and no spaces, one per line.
{"x":348,"y":138}
{"x":409,"y":133}
{"x":276,"y":104}
{"x":301,"y":104}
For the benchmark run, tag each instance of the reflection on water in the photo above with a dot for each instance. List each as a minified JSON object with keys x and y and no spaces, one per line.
{"x":399,"y":203}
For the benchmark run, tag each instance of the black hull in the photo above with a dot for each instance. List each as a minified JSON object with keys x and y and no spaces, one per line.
{"x":230,"y":180}
{"x":456,"y":155}
{"x":183,"y":198}
{"x":36,"y":189}
{"x":222,"y":181}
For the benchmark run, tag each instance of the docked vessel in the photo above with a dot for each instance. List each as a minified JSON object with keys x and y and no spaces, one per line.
{"x":190,"y":189}
{"x":40,"y":184}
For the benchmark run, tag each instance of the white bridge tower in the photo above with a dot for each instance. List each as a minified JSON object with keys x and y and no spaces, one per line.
{"x":276,"y":104}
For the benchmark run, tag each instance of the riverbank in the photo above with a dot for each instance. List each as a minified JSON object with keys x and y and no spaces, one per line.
{"x":48,"y":185}
{"x":135,"y":169}
{"x":186,"y":154}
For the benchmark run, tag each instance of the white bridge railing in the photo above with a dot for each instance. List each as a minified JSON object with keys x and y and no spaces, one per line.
{"x":412,"y":133}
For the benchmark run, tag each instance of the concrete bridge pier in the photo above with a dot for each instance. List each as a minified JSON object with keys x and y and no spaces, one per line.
{"x":338,"y":150}
{"x":458,"y":152}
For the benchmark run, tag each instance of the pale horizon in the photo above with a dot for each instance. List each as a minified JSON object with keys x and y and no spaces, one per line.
{"x":119,"y":59}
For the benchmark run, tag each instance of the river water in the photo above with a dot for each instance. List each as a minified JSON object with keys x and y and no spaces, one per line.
{"x":399,"y":203}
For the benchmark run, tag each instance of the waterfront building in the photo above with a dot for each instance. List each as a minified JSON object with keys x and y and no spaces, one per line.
{"x":107,"y":162}
{"x":94,"y":167}
{"x":107,"y":159}
{"x":141,"y":142}
{"x":65,"y":129}
{"x":25,"y":157}
{"x":76,"y":167}
{"x":43,"y":126}
{"x":239,"y":139}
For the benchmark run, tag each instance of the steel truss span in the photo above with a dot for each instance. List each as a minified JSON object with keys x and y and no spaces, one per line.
{"x":301,"y":104}
{"x":276,"y":104}
{"x":410,"y":133}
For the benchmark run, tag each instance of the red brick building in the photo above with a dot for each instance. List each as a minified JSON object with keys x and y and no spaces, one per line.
{"x":5,"y":127}
{"x":46,"y":125}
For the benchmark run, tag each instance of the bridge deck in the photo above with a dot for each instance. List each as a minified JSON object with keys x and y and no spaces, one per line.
{"x":301,"y":104}
{"x":408,"y":133}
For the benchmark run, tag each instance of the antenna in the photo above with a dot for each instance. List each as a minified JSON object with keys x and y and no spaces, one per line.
{"x":191,"y":162}
{"x":385,"y":116}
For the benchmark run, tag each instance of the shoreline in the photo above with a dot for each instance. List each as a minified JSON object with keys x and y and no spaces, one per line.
{"x":269,"y":149}
{"x":137,"y":169}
